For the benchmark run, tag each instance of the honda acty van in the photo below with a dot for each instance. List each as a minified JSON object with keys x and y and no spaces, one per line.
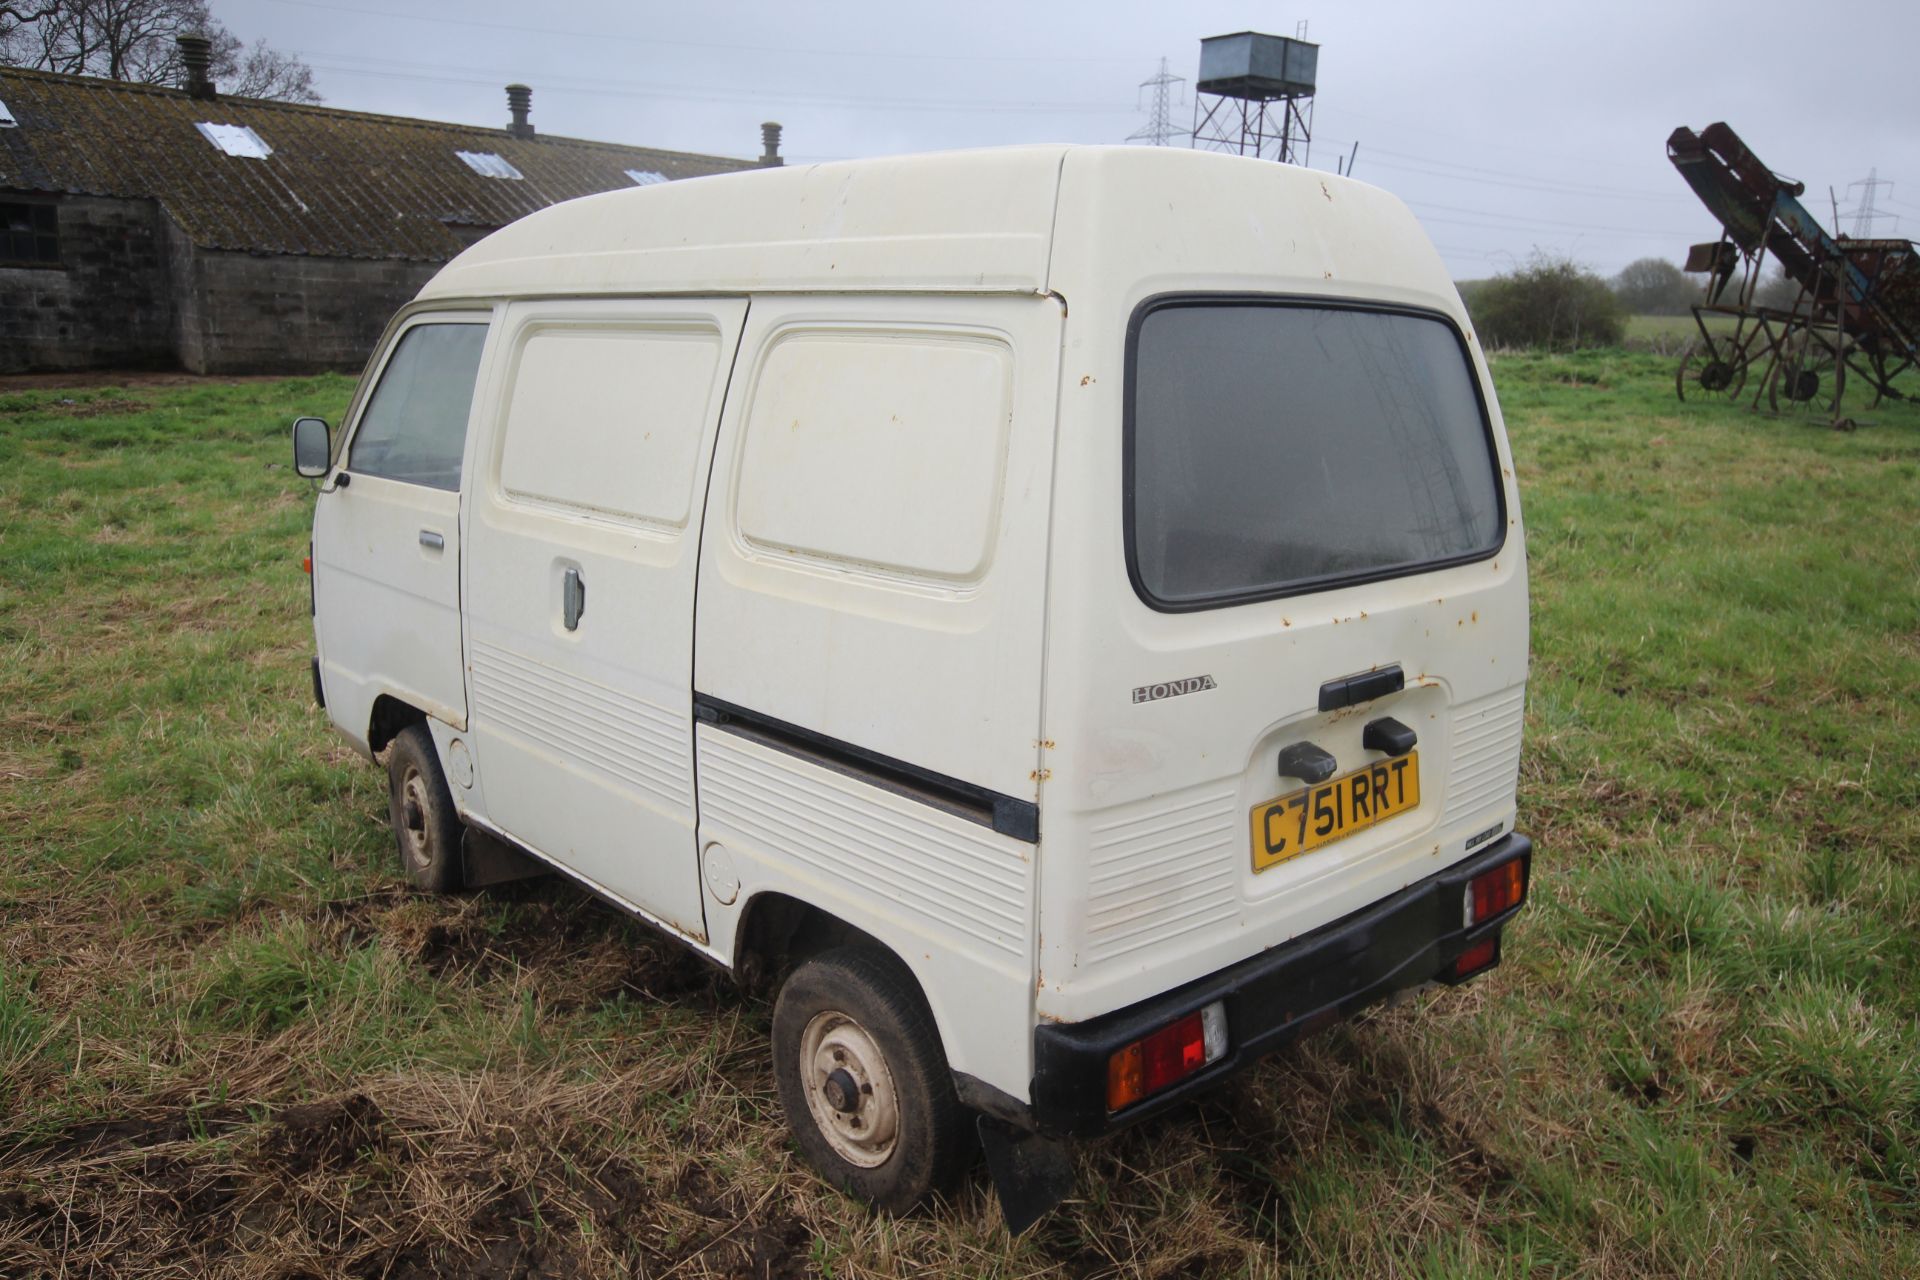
{"x":1057,"y":616}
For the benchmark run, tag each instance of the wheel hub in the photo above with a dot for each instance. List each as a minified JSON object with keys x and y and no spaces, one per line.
{"x":1716,"y":376}
{"x":849,"y":1089}
{"x":841,"y":1092}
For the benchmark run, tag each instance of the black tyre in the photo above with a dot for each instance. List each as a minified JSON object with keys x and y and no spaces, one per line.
{"x":864,"y":1082}
{"x":426,"y":827}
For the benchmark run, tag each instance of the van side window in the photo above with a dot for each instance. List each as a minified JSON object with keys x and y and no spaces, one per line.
{"x":609,"y":420}
{"x":878,"y":448}
{"x":415,"y":425}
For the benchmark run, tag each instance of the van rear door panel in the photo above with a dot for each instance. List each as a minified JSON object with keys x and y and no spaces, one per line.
{"x":1170,"y":720}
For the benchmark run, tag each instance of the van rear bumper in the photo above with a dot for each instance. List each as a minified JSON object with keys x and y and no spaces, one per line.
{"x":1280,"y":995}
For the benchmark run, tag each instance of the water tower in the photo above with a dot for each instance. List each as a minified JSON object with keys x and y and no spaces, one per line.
{"x":1254,"y":96}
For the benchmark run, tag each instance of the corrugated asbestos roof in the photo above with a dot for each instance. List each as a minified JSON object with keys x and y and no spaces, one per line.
{"x":336,"y":184}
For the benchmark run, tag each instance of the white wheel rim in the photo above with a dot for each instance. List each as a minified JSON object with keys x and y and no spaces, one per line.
{"x":864,"y":1133}
{"x":413,"y":817}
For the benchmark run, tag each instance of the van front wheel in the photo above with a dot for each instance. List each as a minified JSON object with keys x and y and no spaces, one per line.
{"x":864,"y":1082}
{"x":425,"y":826}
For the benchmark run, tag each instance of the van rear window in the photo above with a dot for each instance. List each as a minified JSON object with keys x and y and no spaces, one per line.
{"x":1275,"y":448}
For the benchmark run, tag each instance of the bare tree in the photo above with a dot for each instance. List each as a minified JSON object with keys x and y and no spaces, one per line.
{"x":134,"y":40}
{"x":260,"y":71}
{"x":18,"y":21}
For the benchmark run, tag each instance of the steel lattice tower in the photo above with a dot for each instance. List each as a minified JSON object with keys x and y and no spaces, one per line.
{"x":1866,"y":215}
{"x":1158,"y":131}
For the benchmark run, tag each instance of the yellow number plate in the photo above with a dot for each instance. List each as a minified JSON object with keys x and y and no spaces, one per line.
{"x":1319,"y":815}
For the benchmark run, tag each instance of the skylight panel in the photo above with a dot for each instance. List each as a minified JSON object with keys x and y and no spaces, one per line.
{"x":645,"y":177}
{"x":489,"y":165}
{"x":6,"y":118}
{"x":235,"y":140}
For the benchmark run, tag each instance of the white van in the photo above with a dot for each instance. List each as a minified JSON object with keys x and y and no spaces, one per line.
{"x":1059,"y":614}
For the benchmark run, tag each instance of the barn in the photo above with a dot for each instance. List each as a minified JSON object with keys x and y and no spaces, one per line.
{"x":145,"y":226}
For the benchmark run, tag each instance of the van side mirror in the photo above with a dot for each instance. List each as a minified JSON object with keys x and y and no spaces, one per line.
{"x":312,"y":447}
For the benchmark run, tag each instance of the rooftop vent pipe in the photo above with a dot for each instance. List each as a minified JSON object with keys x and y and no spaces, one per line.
{"x":196,"y":57}
{"x":519,"y":103}
{"x":770,"y":139}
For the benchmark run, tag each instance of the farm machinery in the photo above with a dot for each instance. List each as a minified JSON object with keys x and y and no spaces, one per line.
{"x":1856,"y":315}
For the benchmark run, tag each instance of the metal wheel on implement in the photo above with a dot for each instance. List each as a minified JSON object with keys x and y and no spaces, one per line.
{"x":1710,"y":370}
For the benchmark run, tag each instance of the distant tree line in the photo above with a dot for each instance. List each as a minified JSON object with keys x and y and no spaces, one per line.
{"x":1555,"y":304}
{"x":134,"y":40}
{"x":1655,"y":287}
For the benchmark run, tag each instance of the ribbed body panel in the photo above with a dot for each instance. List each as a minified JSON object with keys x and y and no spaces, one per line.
{"x":599,"y":727}
{"x":1486,"y":753}
{"x":952,"y":875}
{"x":1162,"y":870}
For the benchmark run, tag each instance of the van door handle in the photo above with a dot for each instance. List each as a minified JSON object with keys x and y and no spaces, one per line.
{"x":432,"y":539}
{"x":573,"y":598}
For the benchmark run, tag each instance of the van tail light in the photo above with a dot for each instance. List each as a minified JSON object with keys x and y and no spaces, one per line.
{"x":1495,"y":890}
{"x":306,"y":564}
{"x":1167,"y":1056}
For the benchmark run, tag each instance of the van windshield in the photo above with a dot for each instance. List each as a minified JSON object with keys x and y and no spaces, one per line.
{"x":1276,"y":448}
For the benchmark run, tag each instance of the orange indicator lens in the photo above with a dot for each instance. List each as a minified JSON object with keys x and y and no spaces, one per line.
{"x":1151,"y":1064}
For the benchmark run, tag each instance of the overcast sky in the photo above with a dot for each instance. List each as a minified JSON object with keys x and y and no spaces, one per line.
{"x":1507,"y":127}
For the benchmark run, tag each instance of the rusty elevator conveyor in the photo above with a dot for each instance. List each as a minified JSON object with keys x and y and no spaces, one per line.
{"x":1858,"y":307}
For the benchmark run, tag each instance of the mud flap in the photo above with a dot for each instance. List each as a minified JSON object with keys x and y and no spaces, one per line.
{"x":1031,"y":1174}
{"x":485,"y":860}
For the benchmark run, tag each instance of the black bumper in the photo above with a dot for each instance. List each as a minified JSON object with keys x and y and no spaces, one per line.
{"x":1272,"y":998}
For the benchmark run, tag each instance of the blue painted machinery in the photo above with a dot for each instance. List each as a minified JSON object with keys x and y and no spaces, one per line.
{"x":1857,"y":310}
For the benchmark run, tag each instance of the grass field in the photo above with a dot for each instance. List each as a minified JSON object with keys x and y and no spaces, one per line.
{"x":231,"y":1044}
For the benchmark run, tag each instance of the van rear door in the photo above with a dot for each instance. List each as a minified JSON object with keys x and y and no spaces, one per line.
{"x":1311,"y":695}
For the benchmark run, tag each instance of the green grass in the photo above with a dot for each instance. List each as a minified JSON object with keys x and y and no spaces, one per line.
{"x":1669,"y":335}
{"x":231,"y":1042}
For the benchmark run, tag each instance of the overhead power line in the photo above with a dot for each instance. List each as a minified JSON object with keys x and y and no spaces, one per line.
{"x":442,"y":20}
{"x":1522,"y":181}
{"x":706,"y":93}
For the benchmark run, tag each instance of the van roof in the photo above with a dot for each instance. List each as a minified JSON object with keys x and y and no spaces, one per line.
{"x":1030,"y":219}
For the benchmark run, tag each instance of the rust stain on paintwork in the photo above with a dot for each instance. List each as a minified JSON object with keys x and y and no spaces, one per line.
{"x":1086,"y":379}
{"x":1040,"y":775}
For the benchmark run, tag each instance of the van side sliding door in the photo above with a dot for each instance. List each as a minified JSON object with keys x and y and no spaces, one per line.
{"x":873,"y":589}
{"x":583,"y":542}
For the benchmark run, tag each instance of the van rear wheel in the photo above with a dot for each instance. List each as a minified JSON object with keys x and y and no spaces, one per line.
{"x":864,"y":1082}
{"x":426,"y":828}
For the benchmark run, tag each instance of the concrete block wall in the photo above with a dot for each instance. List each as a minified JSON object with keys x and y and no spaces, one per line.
{"x":108,"y":304}
{"x":247,"y":313}
{"x":132,"y":292}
